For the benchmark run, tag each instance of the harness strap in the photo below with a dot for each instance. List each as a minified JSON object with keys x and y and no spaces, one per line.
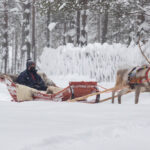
{"x":147,"y":79}
{"x":138,"y":80}
{"x":131,"y":81}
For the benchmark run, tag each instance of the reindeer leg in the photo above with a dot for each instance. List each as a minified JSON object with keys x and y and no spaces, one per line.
{"x":113,"y":94}
{"x":120,"y":93}
{"x":137,"y":94}
{"x":119,"y":97}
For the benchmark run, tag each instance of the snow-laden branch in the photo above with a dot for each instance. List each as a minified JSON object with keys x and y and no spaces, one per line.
{"x":52,"y":26}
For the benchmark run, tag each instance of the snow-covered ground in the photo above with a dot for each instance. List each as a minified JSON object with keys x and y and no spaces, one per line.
{"x":39,"y":125}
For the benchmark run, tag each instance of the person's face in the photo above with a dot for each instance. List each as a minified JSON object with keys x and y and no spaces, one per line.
{"x":32,"y":67}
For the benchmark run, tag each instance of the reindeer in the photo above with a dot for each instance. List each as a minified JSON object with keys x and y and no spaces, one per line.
{"x":135,"y":79}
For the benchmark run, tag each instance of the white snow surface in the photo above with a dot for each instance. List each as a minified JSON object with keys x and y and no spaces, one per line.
{"x":45,"y":125}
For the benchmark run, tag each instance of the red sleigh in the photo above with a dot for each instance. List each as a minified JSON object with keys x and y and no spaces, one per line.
{"x":74,"y":90}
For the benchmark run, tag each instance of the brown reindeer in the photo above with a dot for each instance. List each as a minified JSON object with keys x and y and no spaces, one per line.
{"x":136,"y":79}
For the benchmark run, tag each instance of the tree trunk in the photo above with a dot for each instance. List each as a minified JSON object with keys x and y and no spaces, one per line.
{"x":99,"y":23}
{"x":48,"y":22}
{"x":5,"y":36}
{"x":16,"y":51}
{"x":71,"y":26}
{"x":27,"y":29}
{"x":13,"y":53}
{"x":33,"y":32}
{"x":105,"y":26}
{"x":83,"y":31}
{"x":23,"y":50}
{"x":78,"y":27}
{"x":98,"y":28}
{"x":64,"y":36}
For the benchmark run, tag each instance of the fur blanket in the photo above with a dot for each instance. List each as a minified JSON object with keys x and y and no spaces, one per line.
{"x":47,"y":81}
{"x":53,"y":89}
{"x":24,"y":93}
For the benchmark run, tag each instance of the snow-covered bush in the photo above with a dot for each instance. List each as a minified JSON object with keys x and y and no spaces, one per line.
{"x":97,"y":61}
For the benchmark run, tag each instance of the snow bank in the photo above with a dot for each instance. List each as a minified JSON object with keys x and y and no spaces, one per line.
{"x":95,"y":60}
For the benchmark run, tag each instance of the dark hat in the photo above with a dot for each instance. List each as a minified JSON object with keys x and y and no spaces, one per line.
{"x":29,"y":63}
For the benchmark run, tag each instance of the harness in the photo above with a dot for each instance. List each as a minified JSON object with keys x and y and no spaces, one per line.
{"x":133,"y":80}
{"x":147,"y":73}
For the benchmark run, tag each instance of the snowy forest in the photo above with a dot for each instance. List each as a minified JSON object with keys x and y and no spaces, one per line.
{"x":29,"y":26}
{"x":74,"y":74}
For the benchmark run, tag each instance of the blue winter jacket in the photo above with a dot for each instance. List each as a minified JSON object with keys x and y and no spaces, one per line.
{"x":31,"y":79}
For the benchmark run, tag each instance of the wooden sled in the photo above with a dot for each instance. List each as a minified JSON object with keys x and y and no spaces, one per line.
{"x":74,"y":90}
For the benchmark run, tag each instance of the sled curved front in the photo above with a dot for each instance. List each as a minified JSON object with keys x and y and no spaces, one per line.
{"x":11,"y":89}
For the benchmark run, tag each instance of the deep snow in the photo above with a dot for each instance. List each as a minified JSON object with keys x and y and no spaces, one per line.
{"x":74,"y":126}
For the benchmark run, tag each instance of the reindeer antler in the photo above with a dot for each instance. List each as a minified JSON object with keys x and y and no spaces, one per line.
{"x":142,"y":51}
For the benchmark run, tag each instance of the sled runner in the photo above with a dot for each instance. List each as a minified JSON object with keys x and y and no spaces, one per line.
{"x":74,"y":90}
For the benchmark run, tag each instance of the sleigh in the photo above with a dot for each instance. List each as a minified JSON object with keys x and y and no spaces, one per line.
{"x":74,"y":90}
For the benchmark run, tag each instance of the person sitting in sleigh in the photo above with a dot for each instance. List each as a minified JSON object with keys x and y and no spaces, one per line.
{"x":31,"y":78}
